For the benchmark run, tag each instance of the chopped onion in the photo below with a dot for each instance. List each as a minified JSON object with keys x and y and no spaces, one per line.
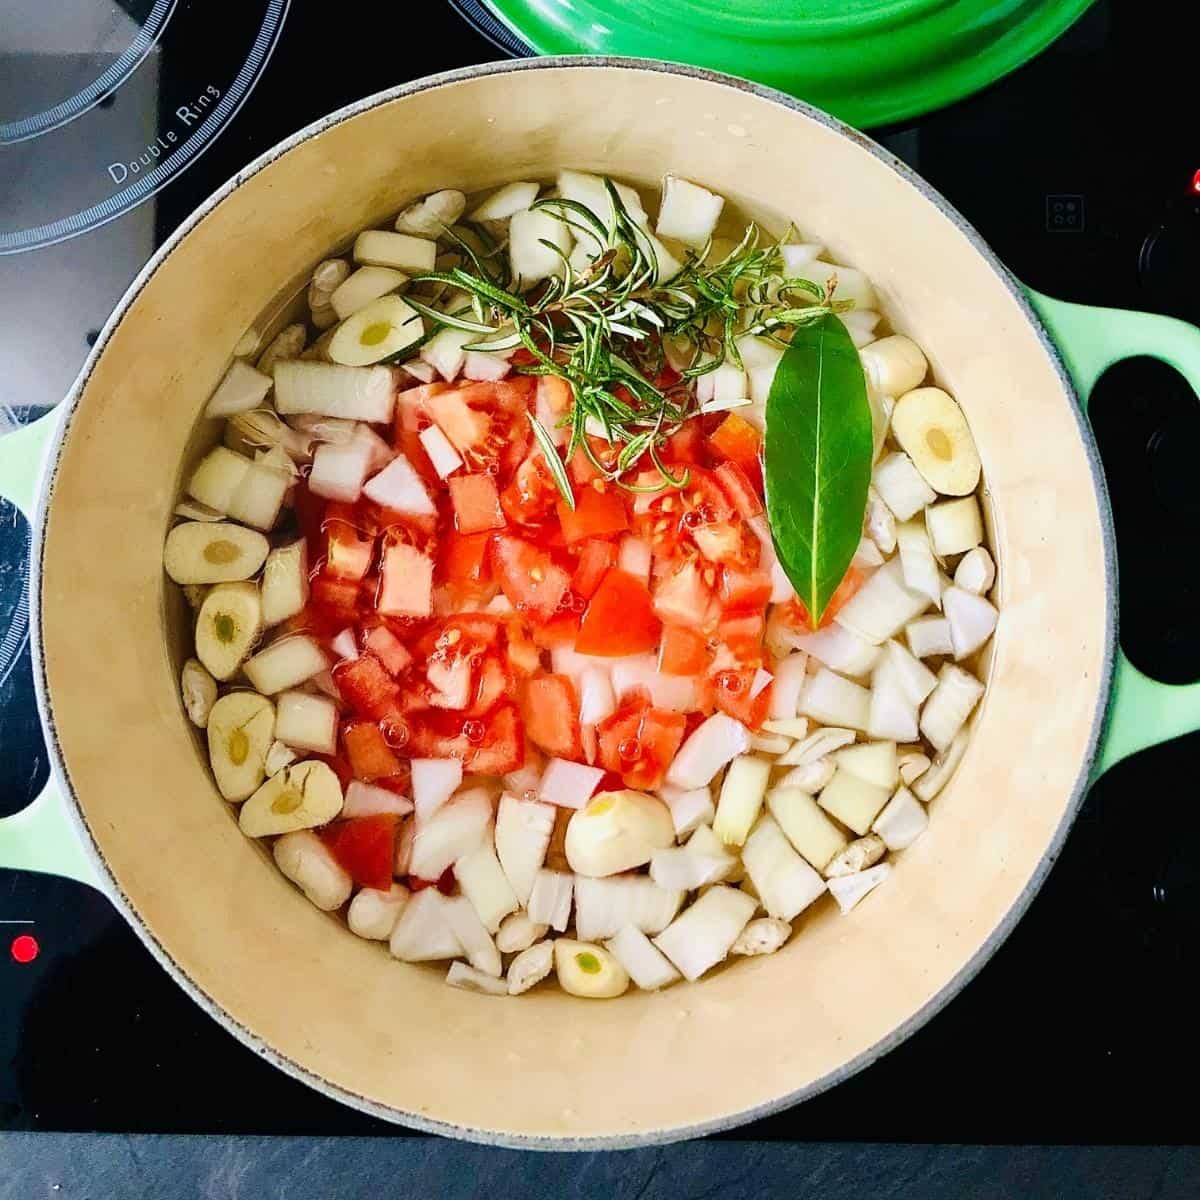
{"x":867,"y":554}
{"x":345,"y":645}
{"x":690,"y":808}
{"x":678,"y":869}
{"x":880,"y":524}
{"x":399,"y":487}
{"x":818,"y":744}
{"x":550,"y":899}
{"x":785,"y":883}
{"x":861,"y":323}
{"x":810,"y":777}
{"x":366,"y":800}
{"x":523,"y":829}
{"x":948,"y":708}
{"x":848,"y":890}
{"x":456,"y":828}
{"x":442,"y":454}
{"x":644,"y":963}
{"x":471,"y":980}
{"x":569,"y":784}
{"x":480,"y":365}
{"x":840,"y":649}
{"x":536,"y":244}
{"x":785,"y":695}
{"x":444,"y":351}
{"x":596,"y":697}
{"x":848,"y":283}
{"x":834,"y":700}
{"x":902,"y":486}
{"x":423,"y":933}
{"x":338,"y":472}
{"x":709,"y":748}
{"x":770,"y":743}
{"x":917,"y":563}
{"x":976,"y":572}
{"x":893,"y":714}
{"x":955,"y":526}
{"x":972,"y":620}
{"x":528,"y":775}
{"x":902,"y":821}
{"x":434,"y":781}
{"x":603,"y":907}
{"x":853,"y":801}
{"x":356,"y":393}
{"x":688,"y":212}
{"x":633,"y":557}
{"x":676,"y":693}
{"x":761,"y":681}
{"x":929,"y":636}
{"x":502,"y":203}
{"x":914,"y":676}
{"x":241,"y":390}
{"x":883,"y":605}
{"x":873,"y":761}
{"x":701,"y":937}
{"x":473,"y":934}
{"x":419,"y":369}
{"x":742,"y":792}
{"x":486,"y":886}
{"x":936,"y":777}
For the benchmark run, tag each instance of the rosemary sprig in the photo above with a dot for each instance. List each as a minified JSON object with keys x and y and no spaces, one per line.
{"x":601,"y":326}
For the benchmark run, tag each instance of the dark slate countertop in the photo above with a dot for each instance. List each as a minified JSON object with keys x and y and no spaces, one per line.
{"x":117,"y":1167}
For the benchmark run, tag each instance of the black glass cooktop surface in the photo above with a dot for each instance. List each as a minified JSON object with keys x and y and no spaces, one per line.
{"x":1080,"y":169}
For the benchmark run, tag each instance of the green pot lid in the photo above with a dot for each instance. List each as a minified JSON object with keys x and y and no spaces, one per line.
{"x":869,"y":62}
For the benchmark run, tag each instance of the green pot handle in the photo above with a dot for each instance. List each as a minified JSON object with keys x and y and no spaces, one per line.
{"x":41,"y":837}
{"x":1141,"y":712}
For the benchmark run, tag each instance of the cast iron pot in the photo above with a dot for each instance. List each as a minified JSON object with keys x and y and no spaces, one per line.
{"x":132,"y":808}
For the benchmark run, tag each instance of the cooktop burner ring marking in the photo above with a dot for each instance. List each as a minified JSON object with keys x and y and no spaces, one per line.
{"x":179,"y":160}
{"x":127,"y":62}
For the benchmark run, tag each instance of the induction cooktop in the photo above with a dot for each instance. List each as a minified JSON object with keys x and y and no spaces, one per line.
{"x":1082,"y":170}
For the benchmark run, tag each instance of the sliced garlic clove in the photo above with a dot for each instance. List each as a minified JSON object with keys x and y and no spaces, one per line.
{"x":240,"y":728}
{"x":376,"y":331}
{"x":429,"y":217}
{"x":617,"y":831}
{"x":931,"y":429}
{"x":518,"y":932}
{"x":587,"y":970}
{"x":373,"y":914}
{"x":762,"y":936}
{"x":862,"y":853}
{"x":199,"y":691}
{"x":530,"y":967}
{"x":229,"y":623}
{"x":213,"y":552}
{"x":301,"y":796}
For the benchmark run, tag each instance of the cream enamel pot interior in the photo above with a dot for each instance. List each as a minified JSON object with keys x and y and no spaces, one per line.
{"x":546,"y":1070}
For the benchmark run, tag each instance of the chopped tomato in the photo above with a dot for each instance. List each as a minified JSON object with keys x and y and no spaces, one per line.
{"x":476,"y":503}
{"x":529,"y":499}
{"x":742,"y":632}
{"x":619,"y":619}
{"x":638,"y":743}
{"x":731,"y":694}
{"x":595,"y":515}
{"x":370,"y":756}
{"x":366,"y":686}
{"x":348,"y":551}
{"x":796,"y":613}
{"x":365,"y":848}
{"x":743,"y":589}
{"x":522,"y":653}
{"x":463,"y":560}
{"x":502,"y":746}
{"x":494,"y":683}
{"x":561,"y":630}
{"x":406,"y":587}
{"x":581,"y":468}
{"x":595,"y":557}
{"x":485,"y":421}
{"x":737,"y":440}
{"x":528,"y":576}
{"x":336,"y":598}
{"x":738,"y":489}
{"x":550,"y":709}
{"x":683,"y":651}
{"x":555,"y":393}
{"x":388,"y":648}
{"x":412,"y":406}
{"x":685,"y":445}
{"x":410,"y":445}
{"x":685,"y":596}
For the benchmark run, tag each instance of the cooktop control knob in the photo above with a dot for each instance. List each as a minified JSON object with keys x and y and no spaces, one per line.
{"x":1169,"y":265}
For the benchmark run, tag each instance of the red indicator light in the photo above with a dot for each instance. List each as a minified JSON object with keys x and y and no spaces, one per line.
{"x":1196,"y":183}
{"x":24,"y":948}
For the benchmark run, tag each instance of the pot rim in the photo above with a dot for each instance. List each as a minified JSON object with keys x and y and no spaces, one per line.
{"x":414,"y":1120}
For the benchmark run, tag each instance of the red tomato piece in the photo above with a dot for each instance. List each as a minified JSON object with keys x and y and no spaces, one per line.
{"x":596,"y":514}
{"x":619,"y":618}
{"x":337,"y":599}
{"x":742,"y":632}
{"x":743,"y":589}
{"x":796,"y":613}
{"x":638,"y":743}
{"x":370,"y":756}
{"x":494,"y":683}
{"x":410,"y":445}
{"x":595,"y":557}
{"x":685,"y":445}
{"x":737,"y":440}
{"x":528,"y":576}
{"x":555,"y":393}
{"x":561,"y":630}
{"x":522,"y":652}
{"x":406,"y":587}
{"x":366,"y":686}
{"x":388,"y":648}
{"x":738,"y":489}
{"x":684,"y":597}
{"x":529,"y":499}
{"x":348,"y":549}
{"x":476,"y":503}
{"x":550,"y":709}
{"x":502,"y":746}
{"x":463,"y":559}
{"x":683,"y":651}
{"x":412,"y":406}
{"x":731,"y":694}
{"x":365,"y":848}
